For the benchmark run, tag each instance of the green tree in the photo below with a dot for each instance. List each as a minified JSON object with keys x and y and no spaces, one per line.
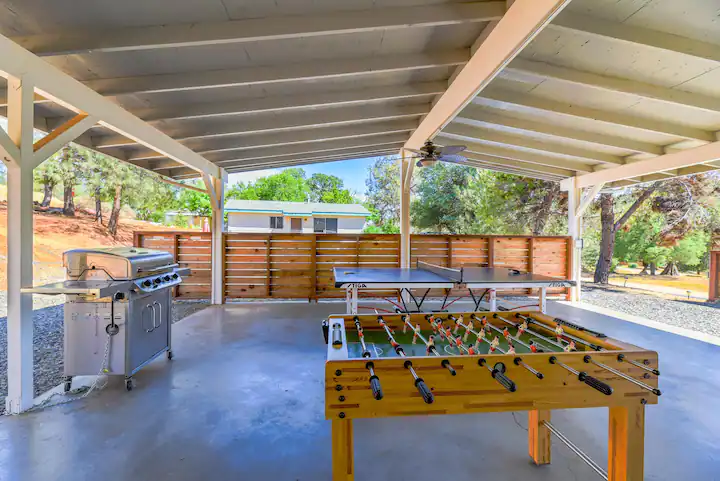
{"x":96,"y":171}
{"x":328,"y":189}
{"x":195,"y":202}
{"x":71,"y":168}
{"x":383,"y":195}
{"x":438,"y":206}
{"x":48,"y":175}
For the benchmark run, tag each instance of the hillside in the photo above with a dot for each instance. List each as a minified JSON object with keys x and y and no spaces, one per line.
{"x":55,"y":234}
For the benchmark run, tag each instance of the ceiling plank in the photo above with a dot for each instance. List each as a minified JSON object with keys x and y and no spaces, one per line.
{"x":522,"y":22}
{"x":315,"y":155}
{"x":280,"y":123}
{"x":616,"y":118}
{"x":510,"y":140}
{"x":308,"y":148}
{"x":676,"y":160}
{"x":637,"y":35}
{"x":289,"y":103}
{"x":510,"y":170}
{"x":79,"y":42}
{"x":518,"y":155}
{"x":614,"y":84}
{"x":289,"y":138}
{"x":313,"y":70}
{"x":273,"y":163}
{"x":64,"y":90}
{"x":476,"y":113}
{"x":554,"y":171}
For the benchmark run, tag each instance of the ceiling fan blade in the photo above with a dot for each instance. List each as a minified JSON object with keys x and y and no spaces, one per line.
{"x":455,"y":159}
{"x":452,"y":149}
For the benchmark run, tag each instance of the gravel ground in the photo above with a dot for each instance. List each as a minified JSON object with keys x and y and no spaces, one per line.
{"x":48,"y":338}
{"x":697,"y":316}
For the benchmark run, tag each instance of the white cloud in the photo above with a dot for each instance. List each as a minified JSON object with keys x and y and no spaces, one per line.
{"x":250,"y":176}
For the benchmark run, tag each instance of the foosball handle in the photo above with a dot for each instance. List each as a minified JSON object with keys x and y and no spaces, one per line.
{"x":595,"y":383}
{"x":336,"y":336}
{"x":376,"y":389}
{"x":506,"y":382}
{"x":424,"y":391}
{"x":326,"y":330}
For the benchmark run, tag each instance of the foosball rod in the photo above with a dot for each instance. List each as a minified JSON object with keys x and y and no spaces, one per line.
{"x":531,"y":333}
{"x":517,"y":361}
{"x":422,"y":388}
{"x":588,"y":359}
{"x":621,"y":357}
{"x":370,"y":366}
{"x":430,"y":346}
{"x":584,"y":377}
{"x":497,"y":374}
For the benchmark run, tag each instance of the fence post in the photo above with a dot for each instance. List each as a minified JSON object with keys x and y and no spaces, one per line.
{"x":569,"y":261}
{"x":176,"y":256}
{"x":137,"y":238}
{"x":491,"y":252}
{"x":313,"y":269}
{"x":268,"y":287}
{"x":449,"y":262}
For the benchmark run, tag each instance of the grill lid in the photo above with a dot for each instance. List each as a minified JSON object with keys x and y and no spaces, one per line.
{"x":116,"y":263}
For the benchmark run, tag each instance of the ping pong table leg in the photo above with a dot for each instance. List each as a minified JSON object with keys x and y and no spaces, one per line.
{"x":354,"y":300}
{"x":543,"y":299}
{"x":493,"y":300}
{"x":348,"y":300}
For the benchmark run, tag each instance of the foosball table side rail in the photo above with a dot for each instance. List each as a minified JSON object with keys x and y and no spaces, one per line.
{"x":474,"y":389}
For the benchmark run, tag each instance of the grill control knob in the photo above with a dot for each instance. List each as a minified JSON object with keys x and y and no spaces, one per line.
{"x":175,"y":276}
{"x":166,"y":278}
{"x":157,"y":280}
{"x":146,"y":283}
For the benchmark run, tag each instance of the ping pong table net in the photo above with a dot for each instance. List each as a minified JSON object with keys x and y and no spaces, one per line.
{"x":455,"y":275}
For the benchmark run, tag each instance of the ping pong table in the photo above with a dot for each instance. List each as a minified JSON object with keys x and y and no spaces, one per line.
{"x":429,"y":276}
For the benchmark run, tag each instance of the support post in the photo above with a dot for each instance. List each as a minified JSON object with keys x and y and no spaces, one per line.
{"x":405,"y":181}
{"x":539,"y":437}
{"x":626,"y":448}
{"x":217,"y":244}
{"x":20,"y":247}
{"x":575,"y":233}
{"x":342,"y":450}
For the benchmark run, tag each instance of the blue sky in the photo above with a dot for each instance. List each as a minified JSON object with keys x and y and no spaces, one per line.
{"x":352,"y":172}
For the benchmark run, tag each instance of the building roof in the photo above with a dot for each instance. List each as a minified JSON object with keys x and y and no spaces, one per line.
{"x":295,"y":208}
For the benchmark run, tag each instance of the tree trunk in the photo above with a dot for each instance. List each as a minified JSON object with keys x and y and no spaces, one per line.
{"x":48,"y":188}
{"x":644,"y":270}
{"x":607,"y":240}
{"x":68,"y":200}
{"x":670,"y":269}
{"x":115,"y":213}
{"x":98,"y":206}
{"x":653,"y":269}
{"x":543,"y":213}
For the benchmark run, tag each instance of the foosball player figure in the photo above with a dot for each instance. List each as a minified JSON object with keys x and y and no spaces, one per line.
{"x":559,"y":333}
{"x":468,"y":328}
{"x":570,"y":346}
{"x":494,"y":344}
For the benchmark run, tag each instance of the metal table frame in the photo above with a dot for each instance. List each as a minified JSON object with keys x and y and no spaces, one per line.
{"x":405,"y":285}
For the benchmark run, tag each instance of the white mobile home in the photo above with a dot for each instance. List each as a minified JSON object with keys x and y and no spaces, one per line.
{"x":304,"y":217}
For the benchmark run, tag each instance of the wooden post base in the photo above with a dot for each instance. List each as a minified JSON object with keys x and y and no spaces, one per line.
{"x":539,"y":437}
{"x":626,"y":443}
{"x":342,"y":450}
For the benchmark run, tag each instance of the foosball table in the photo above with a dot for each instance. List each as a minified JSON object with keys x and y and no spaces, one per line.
{"x":458,"y":363}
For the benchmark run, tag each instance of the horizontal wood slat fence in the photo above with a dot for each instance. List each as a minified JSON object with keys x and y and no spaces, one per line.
{"x":300,"y":265}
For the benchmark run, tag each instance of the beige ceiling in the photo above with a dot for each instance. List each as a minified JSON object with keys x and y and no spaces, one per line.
{"x":257,"y":84}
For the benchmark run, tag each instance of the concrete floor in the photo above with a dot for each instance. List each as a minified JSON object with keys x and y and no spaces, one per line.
{"x":243,"y":400}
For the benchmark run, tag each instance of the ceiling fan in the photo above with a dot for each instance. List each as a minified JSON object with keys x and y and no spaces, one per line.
{"x":430,"y":153}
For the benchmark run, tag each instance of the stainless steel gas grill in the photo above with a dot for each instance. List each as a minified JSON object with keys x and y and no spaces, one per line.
{"x":118,"y":309}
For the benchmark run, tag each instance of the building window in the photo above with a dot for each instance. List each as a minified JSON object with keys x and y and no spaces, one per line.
{"x":323,"y":224}
{"x":276,"y":222}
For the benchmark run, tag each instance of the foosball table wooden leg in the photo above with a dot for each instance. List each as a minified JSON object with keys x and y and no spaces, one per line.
{"x":539,"y":437}
{"x":342,"y":450}
{"x":626,"y":443}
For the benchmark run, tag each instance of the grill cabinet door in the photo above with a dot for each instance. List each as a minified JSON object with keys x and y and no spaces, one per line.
{"x":148,"y":333}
